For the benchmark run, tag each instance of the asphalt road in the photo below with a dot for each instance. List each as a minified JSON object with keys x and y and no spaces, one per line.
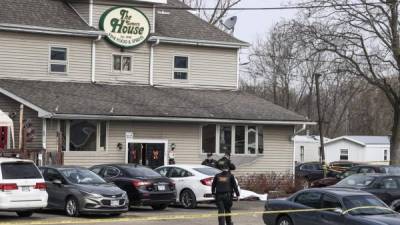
{"x":203,"y":215}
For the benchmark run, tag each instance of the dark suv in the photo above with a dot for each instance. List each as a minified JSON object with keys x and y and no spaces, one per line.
{"x":143,"y":185}
{"x":309,"y":172}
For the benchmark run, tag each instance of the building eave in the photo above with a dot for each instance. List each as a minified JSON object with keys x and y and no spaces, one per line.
{"x":197,"y":42}
{"x":177,"y":119}
{"x":345,"y":138}
{"x":49,"y":30}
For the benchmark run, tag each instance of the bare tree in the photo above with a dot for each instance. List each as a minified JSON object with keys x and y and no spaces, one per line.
{"x":220,"y":8}
{"x":365,"y":36}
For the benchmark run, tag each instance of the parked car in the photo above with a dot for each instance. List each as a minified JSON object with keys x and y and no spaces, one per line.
{"x":342,"y":165}
{"x":386,"y":187}
{"x":77,"y":190}
{"x":333,"y":179}
{"x":193,"y":182}
{"x":309,"y":172}
{"x":342,"y":202}
{"x":22,"y":187}
{"x":143,"y":185}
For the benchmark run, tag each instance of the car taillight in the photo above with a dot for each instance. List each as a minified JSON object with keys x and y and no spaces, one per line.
{"x":140,"y":183}
{"x":207,"y":181}
{"x":40,"y":186}
{"x":8,"y":187}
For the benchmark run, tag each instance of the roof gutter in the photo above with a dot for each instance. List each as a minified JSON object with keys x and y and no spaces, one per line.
{"x":197,"y":42}
{"x":176,"y":119}
{"x":49,"y":30}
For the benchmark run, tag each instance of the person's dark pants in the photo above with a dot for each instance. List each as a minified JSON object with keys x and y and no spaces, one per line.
{"x":224,"y":205}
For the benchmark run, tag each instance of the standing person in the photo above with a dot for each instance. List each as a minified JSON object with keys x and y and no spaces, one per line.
{"x":225,"y":161}
{"x":223,"y":187}
{"x":171,"y":156}
{"x":209,"y":161}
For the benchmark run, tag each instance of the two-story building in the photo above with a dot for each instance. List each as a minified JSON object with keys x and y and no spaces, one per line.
{"x":127,"y":80}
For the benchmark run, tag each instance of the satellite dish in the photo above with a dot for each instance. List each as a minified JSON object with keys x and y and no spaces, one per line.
{"x":230,"y":23}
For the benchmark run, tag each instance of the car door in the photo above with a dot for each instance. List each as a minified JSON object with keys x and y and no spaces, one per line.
{"x":57,"y":192}
{"x":310,"y":199}
{"x":331,"y":217}
{"x":181,"y":178}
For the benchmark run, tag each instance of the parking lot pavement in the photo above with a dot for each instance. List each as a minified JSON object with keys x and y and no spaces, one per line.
{"x":139,"y":215}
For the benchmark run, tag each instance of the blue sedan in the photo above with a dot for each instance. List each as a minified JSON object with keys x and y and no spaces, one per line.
{"x":346,"y":207}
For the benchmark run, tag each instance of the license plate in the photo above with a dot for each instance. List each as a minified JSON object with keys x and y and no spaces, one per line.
{"x":161,"y":187}
{"x":25,"y":189}
{"x":114,"y":203}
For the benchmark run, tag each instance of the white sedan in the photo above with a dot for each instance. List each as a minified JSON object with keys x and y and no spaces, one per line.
{"x":193,"y":182}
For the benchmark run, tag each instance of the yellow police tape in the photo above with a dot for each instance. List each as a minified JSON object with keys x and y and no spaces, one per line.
{"x":175,"y":217}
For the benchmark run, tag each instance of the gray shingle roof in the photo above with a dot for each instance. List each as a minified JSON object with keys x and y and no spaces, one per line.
{"x":42,"y":13}
{"x":185,"y":25}
{"x":146,"y":101}
{"x":372,"y":140}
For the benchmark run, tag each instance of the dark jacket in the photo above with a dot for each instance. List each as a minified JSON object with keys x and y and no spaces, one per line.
{"x":224,"y":183}
{"x":225,"y":163}
{"x":210,"y":162}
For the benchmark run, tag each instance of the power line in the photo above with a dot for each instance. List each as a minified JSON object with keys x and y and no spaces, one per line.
{"x":237,"y":8}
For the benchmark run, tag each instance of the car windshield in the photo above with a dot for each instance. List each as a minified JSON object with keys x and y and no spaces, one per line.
{"x":365,"y":205}
{"x":140,"y":171}
{"x":20,"y":170}
{"x":356,"y":181}
{"x":392,"y":170}
{"x":208,"y":171}
{"x":81,"y":176}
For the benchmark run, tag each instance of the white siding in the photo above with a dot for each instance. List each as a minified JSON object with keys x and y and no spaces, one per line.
{"x":311,"y":151}
{"x":332,"y":151}
{"x":208,"y":67}
{"x":26,"y":56}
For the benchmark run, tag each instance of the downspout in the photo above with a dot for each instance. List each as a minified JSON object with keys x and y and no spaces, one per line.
{"x":238,"y":69}
{"x":93,"y":69}
{"x":151,"y":81}
{"x":91,"y":13}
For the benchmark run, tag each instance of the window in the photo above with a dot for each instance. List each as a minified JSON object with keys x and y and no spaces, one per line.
{"x":237,"y":139}
{"x":208,"y":138}
{"x":390,"y":183}
{"x":181,"y":67}
{"x":111,"y":172}
{"x":302,"y":153}
{"x":52,"y":174}
{"x":344,"y":154}
{"x":122,"y":63}
{"x":366,"y":170}
{"x":310,"y":199}
{"x":96,"y":170}
{"x":178,"y":172}
{"x":240,"y":139}
{"x":330,"y":202}
{"x":163,"y":171}
{"x":58,"y":60}
{"x":83,"y":135}
{"x":385,"y":155}
{"x":19,"y":170}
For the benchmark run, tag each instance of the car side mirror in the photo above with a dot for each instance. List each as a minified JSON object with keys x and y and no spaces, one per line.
{"x":57,"y":181}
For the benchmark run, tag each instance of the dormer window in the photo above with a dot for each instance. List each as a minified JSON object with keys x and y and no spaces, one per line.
{"x":181,"y":67}
{"x":58,"y":60}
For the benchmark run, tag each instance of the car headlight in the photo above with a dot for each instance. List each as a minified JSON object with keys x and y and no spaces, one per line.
{"x":91,"y":195}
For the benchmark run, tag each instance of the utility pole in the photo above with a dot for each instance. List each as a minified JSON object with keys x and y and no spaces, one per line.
{"x":320,"y":123}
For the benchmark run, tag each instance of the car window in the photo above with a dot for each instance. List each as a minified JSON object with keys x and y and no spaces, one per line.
{"x":111,"y":172}
{"x":179,"y":172}
{"x":140,"y":171}
{"x":366,"y":170}
{"x":350,"y":171}
{"x":356,"y":180}
{"x":310,"y":198}
{"x":330,"y":202}
{"x":307,"y":167}
{"x":20,"y":170}
{"x":163,"y":171}
{"x":390,"y":183}
{"x":52,"y":174}
{"x":391,"y":170}
{"x":96,"y":170}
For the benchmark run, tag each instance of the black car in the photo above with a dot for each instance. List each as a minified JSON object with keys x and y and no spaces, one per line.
{"x":333,"y":178}
{"x":309,"y":171}
{"x":143,"y":185}
{"x":346,"y":207}
{"x":80,"y":191}
{"x":386,"y":187}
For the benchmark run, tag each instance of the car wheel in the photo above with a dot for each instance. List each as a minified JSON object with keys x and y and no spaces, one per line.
{"x":159,"y":207}
{"x":188,"y":199}
{"x":25,"y":213}
{"x":284,"y":220}
{"x":72,"y":207}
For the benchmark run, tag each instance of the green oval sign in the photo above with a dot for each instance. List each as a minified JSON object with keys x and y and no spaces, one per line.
{"x":126,"y":27}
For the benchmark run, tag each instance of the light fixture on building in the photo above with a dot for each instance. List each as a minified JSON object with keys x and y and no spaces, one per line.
{"x":173,"y":145}
{"x":119,"y":146}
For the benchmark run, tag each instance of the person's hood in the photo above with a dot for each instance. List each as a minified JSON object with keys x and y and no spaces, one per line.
{"x":389,"y":219}
{"x":102,"y":189}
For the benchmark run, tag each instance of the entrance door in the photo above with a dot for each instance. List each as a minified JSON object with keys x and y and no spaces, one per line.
{"x":151,"y":154}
